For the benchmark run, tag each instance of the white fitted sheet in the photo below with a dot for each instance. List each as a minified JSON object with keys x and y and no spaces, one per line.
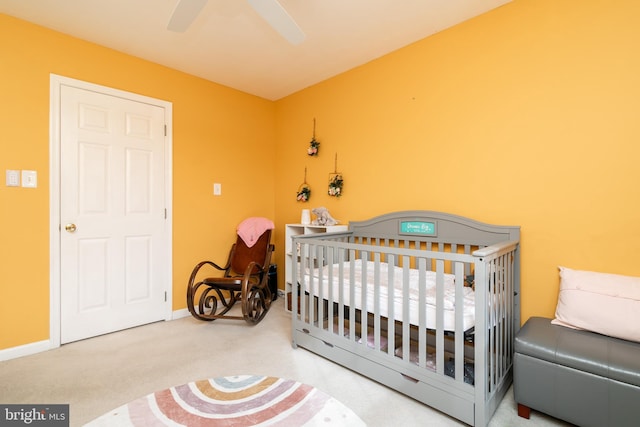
{"x":328,"y":276}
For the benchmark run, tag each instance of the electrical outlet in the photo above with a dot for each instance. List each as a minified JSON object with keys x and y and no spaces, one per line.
{"x":217,"y":189}
{"x":13,"y":178}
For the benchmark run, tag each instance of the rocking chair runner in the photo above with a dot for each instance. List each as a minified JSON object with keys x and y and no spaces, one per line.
{"x":245,"y":280}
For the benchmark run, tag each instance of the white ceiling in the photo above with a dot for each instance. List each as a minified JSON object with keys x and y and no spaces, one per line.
{"x":230,"y":44}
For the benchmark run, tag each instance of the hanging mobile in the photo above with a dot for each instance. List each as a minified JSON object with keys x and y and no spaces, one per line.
{"x":313,"y":145}
{"x":304,"y":191}
{"x":335,"y":181}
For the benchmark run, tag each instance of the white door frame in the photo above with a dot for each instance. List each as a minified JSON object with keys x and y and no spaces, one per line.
{"x":56,"y":82}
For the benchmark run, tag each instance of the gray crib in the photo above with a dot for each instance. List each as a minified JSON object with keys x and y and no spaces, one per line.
{"x":424,"y":302}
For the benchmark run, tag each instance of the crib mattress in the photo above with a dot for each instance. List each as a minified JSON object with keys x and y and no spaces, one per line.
{"x":326,"y":281}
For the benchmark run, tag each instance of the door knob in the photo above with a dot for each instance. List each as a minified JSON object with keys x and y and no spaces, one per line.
{"x":70,"y":228}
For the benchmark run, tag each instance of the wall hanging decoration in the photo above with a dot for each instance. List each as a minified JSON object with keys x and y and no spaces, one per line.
{"x":304,"y":191}
{"x":313,"y":145}
{"x":335,"y":181}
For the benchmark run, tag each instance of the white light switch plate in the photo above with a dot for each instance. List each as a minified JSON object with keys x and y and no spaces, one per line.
{"x":29,"y":179}
{"x":217,"y":189}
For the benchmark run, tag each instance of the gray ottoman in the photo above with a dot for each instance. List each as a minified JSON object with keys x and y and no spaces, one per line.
{"x":578,"y":376}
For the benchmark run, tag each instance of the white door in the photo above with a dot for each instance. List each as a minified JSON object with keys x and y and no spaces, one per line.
{"x":113,"y":233}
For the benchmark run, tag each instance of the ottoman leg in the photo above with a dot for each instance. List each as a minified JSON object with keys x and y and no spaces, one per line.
{"x":524,"y":411}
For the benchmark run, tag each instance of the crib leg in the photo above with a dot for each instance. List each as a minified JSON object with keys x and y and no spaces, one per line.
{"x":524,"y":411}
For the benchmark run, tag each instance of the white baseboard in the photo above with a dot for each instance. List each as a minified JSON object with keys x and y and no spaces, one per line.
{"x":179,"y":314}
{"x":25,"y":350}
{"x":40,"y":346}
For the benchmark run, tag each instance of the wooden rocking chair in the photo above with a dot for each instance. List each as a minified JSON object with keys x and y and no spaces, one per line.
{"x":245,"y":280}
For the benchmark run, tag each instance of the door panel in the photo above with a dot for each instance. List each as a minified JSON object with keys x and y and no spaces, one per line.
{"x":138,"y":265}
{"x":112,"y":196}
{"x":93,"y":292}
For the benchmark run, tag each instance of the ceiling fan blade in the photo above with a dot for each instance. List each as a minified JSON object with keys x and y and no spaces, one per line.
{"x":184,"y":14}
{"x":273,"y":12}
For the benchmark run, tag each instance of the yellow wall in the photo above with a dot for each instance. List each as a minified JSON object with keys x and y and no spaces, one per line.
{"x":215,"y":129}
{"x":528,"y":115}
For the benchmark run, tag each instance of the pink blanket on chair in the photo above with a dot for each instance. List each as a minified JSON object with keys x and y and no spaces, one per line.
{"x":252,"y":228}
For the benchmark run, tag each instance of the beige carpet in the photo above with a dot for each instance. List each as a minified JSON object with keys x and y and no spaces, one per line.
{"x":100,"y":374}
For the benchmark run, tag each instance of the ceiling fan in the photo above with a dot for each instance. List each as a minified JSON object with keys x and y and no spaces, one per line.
{"x":271,"y":11}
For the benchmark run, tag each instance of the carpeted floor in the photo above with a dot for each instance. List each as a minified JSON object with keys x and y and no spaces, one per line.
{"x":98,"y":375}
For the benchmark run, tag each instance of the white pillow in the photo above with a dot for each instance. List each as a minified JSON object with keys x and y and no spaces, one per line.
{"x":605,"y":303}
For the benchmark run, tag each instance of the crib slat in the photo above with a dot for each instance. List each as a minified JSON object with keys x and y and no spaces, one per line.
{"x":406,"y":335}
{"x":422,"y":315}
{"x":376,"y":301}
{"x":319,"y":263}
{"x":341,"y":295}
{"x":314,"y":284}
{"x":364,"y":289}
{"x":440,"y":316}
{"x":458,"y":270}
{"x":352,"y":297}
{"x":331,"y":258}
{"x":391,"y":306}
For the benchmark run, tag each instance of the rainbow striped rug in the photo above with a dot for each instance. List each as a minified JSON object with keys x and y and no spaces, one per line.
{"x":238,"y":401}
